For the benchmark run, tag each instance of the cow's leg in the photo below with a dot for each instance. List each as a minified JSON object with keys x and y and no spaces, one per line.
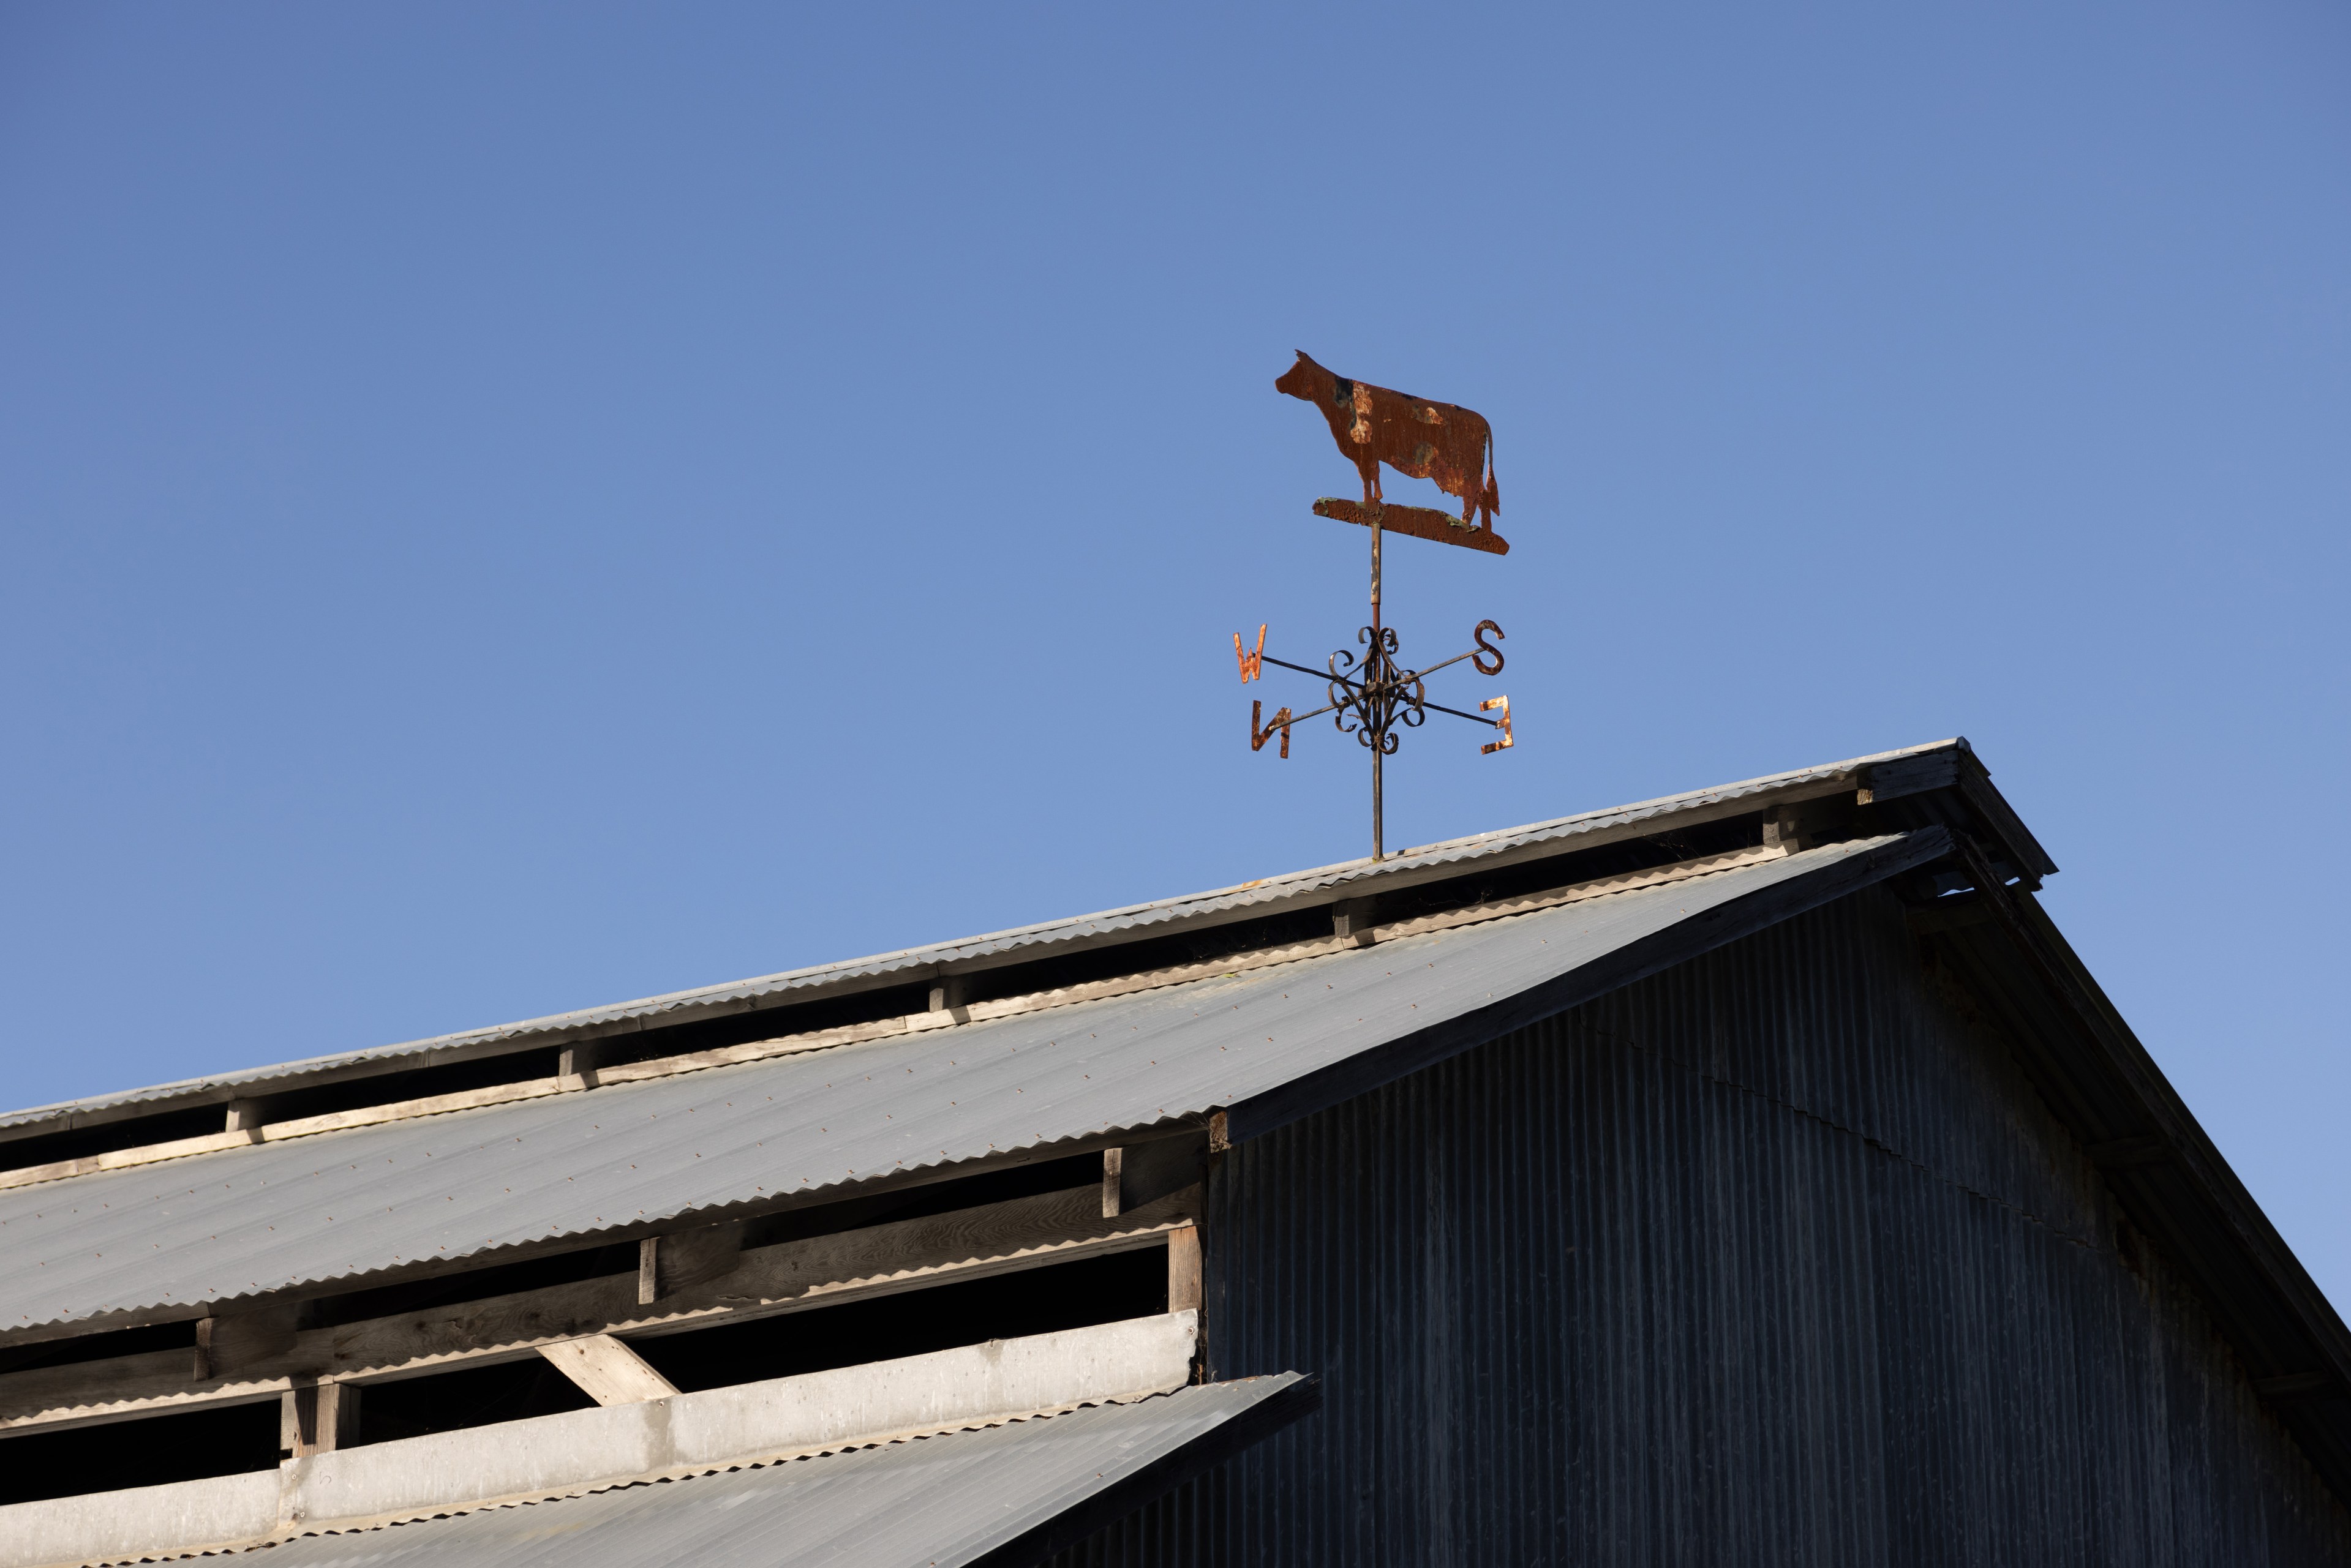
{"x":1369,"y":467}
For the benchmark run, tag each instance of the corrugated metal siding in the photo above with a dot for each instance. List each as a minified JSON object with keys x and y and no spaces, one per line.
{"x":339,"y":1206}
{"x":915,"y":962}
{"x":1770,"y":1259}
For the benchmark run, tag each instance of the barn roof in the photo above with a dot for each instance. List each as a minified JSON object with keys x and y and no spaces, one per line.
{"x":162,"y":1240}
{"x":1092,"y":1031}
{"x":1911,"y":771}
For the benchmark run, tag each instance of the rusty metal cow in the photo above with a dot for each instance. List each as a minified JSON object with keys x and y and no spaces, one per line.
{"x":1412,"y":435}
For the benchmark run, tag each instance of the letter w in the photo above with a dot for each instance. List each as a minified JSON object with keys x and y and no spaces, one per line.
{"x":1252,"y":662}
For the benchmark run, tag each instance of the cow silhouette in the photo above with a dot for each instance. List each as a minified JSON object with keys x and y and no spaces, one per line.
{"x":1412,"y":435}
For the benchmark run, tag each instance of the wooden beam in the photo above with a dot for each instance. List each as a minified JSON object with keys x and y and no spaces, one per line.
{"x":1184,"y":1270}
{"x":228,"y":1344}
{"x":1113,"y":1162}
{"x":792,"y":1276}
{"x":649,"y":1270}
{"x":1149,"y":1172}
{"x":315,"y":1417}
{"x":576,"y":1064}
{"x":670,"y":1263}
{"x":610,"y":1371}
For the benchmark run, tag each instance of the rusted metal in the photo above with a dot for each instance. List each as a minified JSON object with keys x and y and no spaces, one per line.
{"x":1420,"y":522}
{"x":1251,"y":660}
{"x":1478,"y":636}
{"x":1261,"y":733}
{"x":1490,"y":704}
{"x":1375,"y":698}
{"x":1414,"y":435}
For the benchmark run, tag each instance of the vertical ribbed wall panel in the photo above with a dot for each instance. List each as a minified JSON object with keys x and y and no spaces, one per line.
{"x":1772,"y":1259}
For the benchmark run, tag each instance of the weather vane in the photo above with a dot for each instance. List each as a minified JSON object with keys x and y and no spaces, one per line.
{"x":1373,"y":697}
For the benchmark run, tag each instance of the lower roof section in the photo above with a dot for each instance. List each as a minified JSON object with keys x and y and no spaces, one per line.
{"x":1004,"y":1497}
{"x":674,"y":1439}
{"x":177,"y":1239}
{"x":1009,"y":1488}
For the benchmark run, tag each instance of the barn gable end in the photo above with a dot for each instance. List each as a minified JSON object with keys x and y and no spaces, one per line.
{"x":1777,"y":1257}
{"x":1749,"y":1176}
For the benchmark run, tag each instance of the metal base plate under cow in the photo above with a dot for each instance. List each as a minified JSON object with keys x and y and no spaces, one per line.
{"x":1420,"y":522}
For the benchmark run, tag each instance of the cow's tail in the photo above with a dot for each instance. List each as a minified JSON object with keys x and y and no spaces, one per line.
{"x":1490,"y":501}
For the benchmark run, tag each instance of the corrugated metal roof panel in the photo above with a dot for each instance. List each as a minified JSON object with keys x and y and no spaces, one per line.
{"x":914,"y":962}
{"x":340,"y":1205}
{"x":932,"y":1501}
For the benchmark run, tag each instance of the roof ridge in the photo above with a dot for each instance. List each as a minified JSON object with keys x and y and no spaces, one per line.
{"x":1068,"y":928}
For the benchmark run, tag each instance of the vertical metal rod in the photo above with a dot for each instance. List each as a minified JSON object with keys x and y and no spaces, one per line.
{"x":1378,"y":734}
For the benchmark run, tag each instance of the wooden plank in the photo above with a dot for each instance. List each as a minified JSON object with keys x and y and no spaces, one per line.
{"x":1577,"y":893}
{"x":610,"y":1371}
{"x":228,"y":1345}
{"x":119,"y":1159}
{"x":302,"y":1127}
{"x":1913,"y":775}
{"x":1184,"y":1270}
{"x":671,"y":1263}
{"x":315,"y":1417}
{"x":792,"y":1276}
{"x":1149,"y":1172}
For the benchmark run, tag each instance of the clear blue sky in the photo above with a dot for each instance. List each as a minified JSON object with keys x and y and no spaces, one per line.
{"x":508,"y":508}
